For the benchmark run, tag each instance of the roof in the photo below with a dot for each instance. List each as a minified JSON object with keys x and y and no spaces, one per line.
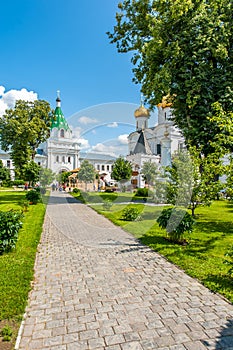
{"x":59,"y":120}
{"x":96,"y":156}
{"x":142,"y":145}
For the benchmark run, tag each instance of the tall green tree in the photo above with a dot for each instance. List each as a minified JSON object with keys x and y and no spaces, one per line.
{"x":183,"y":49}
{"x":23,"y":128}
{"x":86,"y":173}
{"x":122,"y":170}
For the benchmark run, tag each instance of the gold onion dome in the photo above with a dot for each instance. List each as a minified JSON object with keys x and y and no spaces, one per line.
{"x":141,"y":112}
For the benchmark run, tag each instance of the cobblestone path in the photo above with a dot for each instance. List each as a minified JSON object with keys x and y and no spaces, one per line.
{"x":97,"y":288}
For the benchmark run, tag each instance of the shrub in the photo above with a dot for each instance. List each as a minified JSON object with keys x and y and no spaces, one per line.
{"x":10,"y":223}
{"x":6,"y":333}
{"x":131,"y":214}
{"x":107,"y":205}
{"x":142,"y":192}
{"x":24,"y":204}
{"x":76,"y":190}
{"x":18,"y":182}
{"x":33,"y":196}
{"x":175,"y":221}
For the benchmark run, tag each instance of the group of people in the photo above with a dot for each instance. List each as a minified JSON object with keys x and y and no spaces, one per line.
{"x":57,"y":187}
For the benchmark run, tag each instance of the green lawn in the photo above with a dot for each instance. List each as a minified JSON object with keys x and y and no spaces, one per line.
{"x":16,"y":267}
{"x":203,"y":257}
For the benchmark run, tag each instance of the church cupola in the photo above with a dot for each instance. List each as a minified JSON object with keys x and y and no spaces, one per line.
{"x":59,"y":122}
{"x":142,"y":115}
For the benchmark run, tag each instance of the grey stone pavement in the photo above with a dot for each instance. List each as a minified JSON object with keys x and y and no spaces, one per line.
{"x":97,"y":288}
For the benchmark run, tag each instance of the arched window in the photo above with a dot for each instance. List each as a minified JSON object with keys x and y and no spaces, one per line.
{"x":68,"y":159}
{"x":57,"y":159}
{"x":62,"y":133}
{"x":63,"y":159}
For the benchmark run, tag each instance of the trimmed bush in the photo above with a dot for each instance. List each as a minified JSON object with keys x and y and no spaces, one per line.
{"x":142,"y":192}
{"x":33,"y":196}
{"x":176,"y":222}
{"x":107,"y":204}
{"x":10,"y":223}
{"x":131,"y":214}
{"x":76,"y":190}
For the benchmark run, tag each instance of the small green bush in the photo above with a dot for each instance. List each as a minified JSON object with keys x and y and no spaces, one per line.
{"x":18,"y":182}
{"x":6,"y":333}
{"x":144,"y":192}
{"x":76,"y":190}
{"x":107,"y":204}
{"x":131,"y":214}
{"x":10,"y":223}
{"x":175,"y":221}
{"x":33,"y":196}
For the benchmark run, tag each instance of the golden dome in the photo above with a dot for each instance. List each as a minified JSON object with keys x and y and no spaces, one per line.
{"x":141,"y":112}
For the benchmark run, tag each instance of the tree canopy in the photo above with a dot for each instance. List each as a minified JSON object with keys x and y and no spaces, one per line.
{"x":23,"y":128}
{"x":122,"y":169}
{"x":184,"y":50}
{"x":87,"y":172}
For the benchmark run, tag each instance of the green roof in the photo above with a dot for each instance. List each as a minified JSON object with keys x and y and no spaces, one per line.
{"x":59,"y":120}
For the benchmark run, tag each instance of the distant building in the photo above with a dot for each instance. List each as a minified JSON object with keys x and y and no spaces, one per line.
{"x":155,"y":144}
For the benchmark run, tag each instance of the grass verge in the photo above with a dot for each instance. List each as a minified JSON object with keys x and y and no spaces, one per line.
{"x":16,"y":267}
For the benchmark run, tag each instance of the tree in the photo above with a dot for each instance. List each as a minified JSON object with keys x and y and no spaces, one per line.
{"x":122,"y":170}
{"x":5,"y":176}
{"x":150,"y":172}
{"x":23,"y":128}
{"x":86,"y":173}
{"x":181,"y":49}
{"x":31,"y":172}
{"x":46,"y":177}
{"x":192,"y":179}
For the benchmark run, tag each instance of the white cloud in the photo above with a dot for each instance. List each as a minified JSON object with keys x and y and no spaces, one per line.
{"x":113,"y":149}
{"x":123,"y":139}
{"x":100,"y":147}
{"x":87,"y":120}
{"x":7,"y":99}
{"x":84,"y":144}
{"x":112,"y":125}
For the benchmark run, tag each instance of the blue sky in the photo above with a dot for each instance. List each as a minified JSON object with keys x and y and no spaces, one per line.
{"x":49,"y":45}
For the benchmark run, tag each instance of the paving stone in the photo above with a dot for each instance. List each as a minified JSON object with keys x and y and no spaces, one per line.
{"x":131,"y":346}
{"x":114,"y":339}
